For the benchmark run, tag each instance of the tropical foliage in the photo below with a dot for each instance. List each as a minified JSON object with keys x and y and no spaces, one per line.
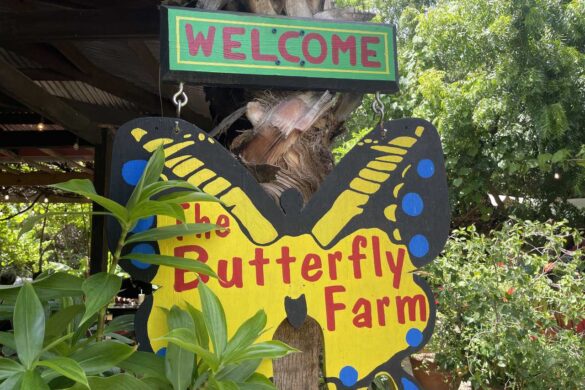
{"x":504,"y":83}
{"x":512,"y":306}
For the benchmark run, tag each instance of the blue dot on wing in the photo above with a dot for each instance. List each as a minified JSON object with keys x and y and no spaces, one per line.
{"x":348,"y":376}
{"x":418,"y":246}
{"x":143,"y":224}
{"x":132,"y":170}
{"x":162,"y":352}
{"x":412,"y":204}
{"x":425,"y":168}
{"x":414,"y":337}
{"x":407,"y":384}
{"x":142,"y":248}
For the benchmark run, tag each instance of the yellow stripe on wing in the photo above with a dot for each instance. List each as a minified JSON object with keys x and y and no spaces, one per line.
{"x":350,"y":202}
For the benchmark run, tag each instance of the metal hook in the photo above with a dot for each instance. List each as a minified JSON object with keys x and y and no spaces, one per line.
{"x":378,"y":108}
{"x":180,"y":103}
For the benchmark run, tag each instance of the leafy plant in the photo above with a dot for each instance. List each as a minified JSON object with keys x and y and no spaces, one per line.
{"x":509,"y":304}
{"x":51,"y":349}
{"x":199,"y":354}
{"x":99,"y":289}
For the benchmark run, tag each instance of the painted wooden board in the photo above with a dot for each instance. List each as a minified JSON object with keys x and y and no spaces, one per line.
{"x":226,"y":48}
{"x":346,"y":259}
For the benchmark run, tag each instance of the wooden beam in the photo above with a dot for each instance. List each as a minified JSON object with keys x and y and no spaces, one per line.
{"x":71,"y":162}
{"x":17,"y":158}
{"x":52,"y":198}
{"x":15,"y":84}
{"x":47,"y":138}
{"x":98,"y":256}
{"x":40,"y":178}
{"x":97,"y":24}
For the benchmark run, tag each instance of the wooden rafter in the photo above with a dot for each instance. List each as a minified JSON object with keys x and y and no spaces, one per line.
{"x":109,"y":23}
{"x":40,"y":178}
{"x":72,"y":163}
{"x":16,"y":158}
{"x":15,"y":84}
{"x":47,"y":138}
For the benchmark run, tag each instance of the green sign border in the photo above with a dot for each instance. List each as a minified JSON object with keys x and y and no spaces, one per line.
{"x":174,"y":68}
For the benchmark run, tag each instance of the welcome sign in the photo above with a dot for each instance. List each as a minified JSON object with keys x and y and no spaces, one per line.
{"x":348,"y":258}
{"x":222,"y":48}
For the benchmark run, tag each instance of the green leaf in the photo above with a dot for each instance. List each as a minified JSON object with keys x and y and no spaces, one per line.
{"x":187,"y":196}
{"x":226,"y":385}
{"x":84,"y":187}
{"x":186,"y":339}
{"x":7,"y":339}
{"x":171,"y":231}
{"x":151,"y":174}
{"x":52,"y":286}
{"x":124,"y":322}
{"x":238,"y":372}
{"x":114,"y":382}
{"x":145,"y":364}
{"x":266,"y":350}
{"x":257,"y":382}
{"x":214,"y":317}
{"x":179,"y":362}
{"x":174,"y":262}
{"x":12,"y":382}
{"x":99,"y":290}
{"x":58,"y":341}
{"x":31,"y":221}
{"x":152,"y":207}
{"x":247,"y":333}
{"x":69,"y":368}
{"x":200,"y":327}
{"x":9,"y":367}
{"x":58,"y":322}
{"x":32,"y":380}
{"x":158,"y":187}
{"x":99,"y":357}
{"x":29,"y":325}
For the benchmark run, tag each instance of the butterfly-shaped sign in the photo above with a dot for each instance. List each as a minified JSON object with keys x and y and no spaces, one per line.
{"x":347,"y":258}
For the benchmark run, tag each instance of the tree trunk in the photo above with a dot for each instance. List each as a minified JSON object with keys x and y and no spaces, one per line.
{"x":284,"y":139}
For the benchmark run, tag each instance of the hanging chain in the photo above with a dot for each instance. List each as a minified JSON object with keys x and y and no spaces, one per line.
{"x":180,"y":99}
{"x":378,"y":108}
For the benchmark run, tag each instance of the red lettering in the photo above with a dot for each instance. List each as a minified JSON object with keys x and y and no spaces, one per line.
{"x":412,"y":302}
{"x":285,"y":261}
{"x":180,"y":251}
{"x":323,"y":50}
{"x":362,"y":320}
{"x":331,"y":307}
{"x":224,"y":222}
{"x":200,"y":219}
{"x":256,"y":49}
{"x":356,"y":255}
{"x":259,"y":262}
{"x":205,"y":43}
{"x":312,"y":262}
{"x":367,"y":53}
{"x":376,"y":253}
{"x":229,"y":44}
{"x":332,"y":258}
{"x":236,"y":279}
{"x":396,"y":268}
{"x":339,"y":45}
{"x":381,"y":304}
{"x":282,"y":46}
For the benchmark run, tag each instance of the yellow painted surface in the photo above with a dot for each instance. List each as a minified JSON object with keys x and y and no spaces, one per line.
{"x":364,"y":348}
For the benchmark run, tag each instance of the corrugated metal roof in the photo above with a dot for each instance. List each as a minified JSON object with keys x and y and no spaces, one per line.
{"x":82,"y":92}
{"x":18,"y":61}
